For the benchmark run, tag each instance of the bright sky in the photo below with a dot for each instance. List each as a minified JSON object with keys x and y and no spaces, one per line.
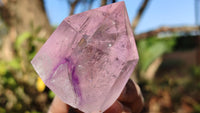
{"x":159,"y":12}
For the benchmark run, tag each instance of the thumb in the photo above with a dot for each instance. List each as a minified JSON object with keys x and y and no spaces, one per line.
{"x":58,"y":106}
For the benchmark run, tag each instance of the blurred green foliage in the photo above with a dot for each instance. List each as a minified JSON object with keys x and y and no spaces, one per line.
{"x":18,"y":92}
{"x":151,"y":48}
{"x":196,"y":108}
{"x":195,"y":71}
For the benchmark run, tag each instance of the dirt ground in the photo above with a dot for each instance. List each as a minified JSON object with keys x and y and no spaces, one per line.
{"x":175,"y":87}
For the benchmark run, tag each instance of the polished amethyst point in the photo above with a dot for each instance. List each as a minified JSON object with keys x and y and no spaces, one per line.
{"x":89,"y":58}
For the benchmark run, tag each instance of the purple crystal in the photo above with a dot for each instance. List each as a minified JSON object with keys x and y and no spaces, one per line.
{"x":89,"y":58}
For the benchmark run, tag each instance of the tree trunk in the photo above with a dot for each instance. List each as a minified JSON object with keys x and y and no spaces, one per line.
{"x":21,"y":16}
{"x":103,"y":2}
{"x":24,"y":14}
{"x":73,"y":6}
{"x":139,"y":14}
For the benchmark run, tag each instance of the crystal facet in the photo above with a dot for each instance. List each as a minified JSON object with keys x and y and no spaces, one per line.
{"x":89,"y":58}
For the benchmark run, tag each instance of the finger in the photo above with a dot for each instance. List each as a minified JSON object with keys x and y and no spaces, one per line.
{"x":117,"y":107}
{"x":132,"y":97}
{"x":58,"y":106}
{"x":129,"y":93}
{"x":138,"y":105}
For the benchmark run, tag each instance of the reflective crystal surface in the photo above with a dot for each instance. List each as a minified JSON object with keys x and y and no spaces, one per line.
{"x":89,"y":58}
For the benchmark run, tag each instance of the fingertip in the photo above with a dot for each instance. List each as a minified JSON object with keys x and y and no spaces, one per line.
{"x":129,"y":92}
{"x":58,"y":106}
{"x":132,"y":96}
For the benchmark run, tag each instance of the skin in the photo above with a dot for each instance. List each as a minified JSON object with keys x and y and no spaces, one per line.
{"x":130,"y":101}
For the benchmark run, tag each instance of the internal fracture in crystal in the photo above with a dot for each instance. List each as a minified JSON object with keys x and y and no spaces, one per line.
{"x":89,"y":58}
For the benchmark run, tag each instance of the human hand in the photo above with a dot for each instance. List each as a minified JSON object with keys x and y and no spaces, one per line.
{"x":130,"y":101}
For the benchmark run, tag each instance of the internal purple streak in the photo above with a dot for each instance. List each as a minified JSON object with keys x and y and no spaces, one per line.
{"x":54,"y":70}
{"x":74,"y":77}
{"x":72,"y":73}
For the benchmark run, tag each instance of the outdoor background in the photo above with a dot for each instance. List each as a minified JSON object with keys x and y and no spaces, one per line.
{"x":167,"y":34}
